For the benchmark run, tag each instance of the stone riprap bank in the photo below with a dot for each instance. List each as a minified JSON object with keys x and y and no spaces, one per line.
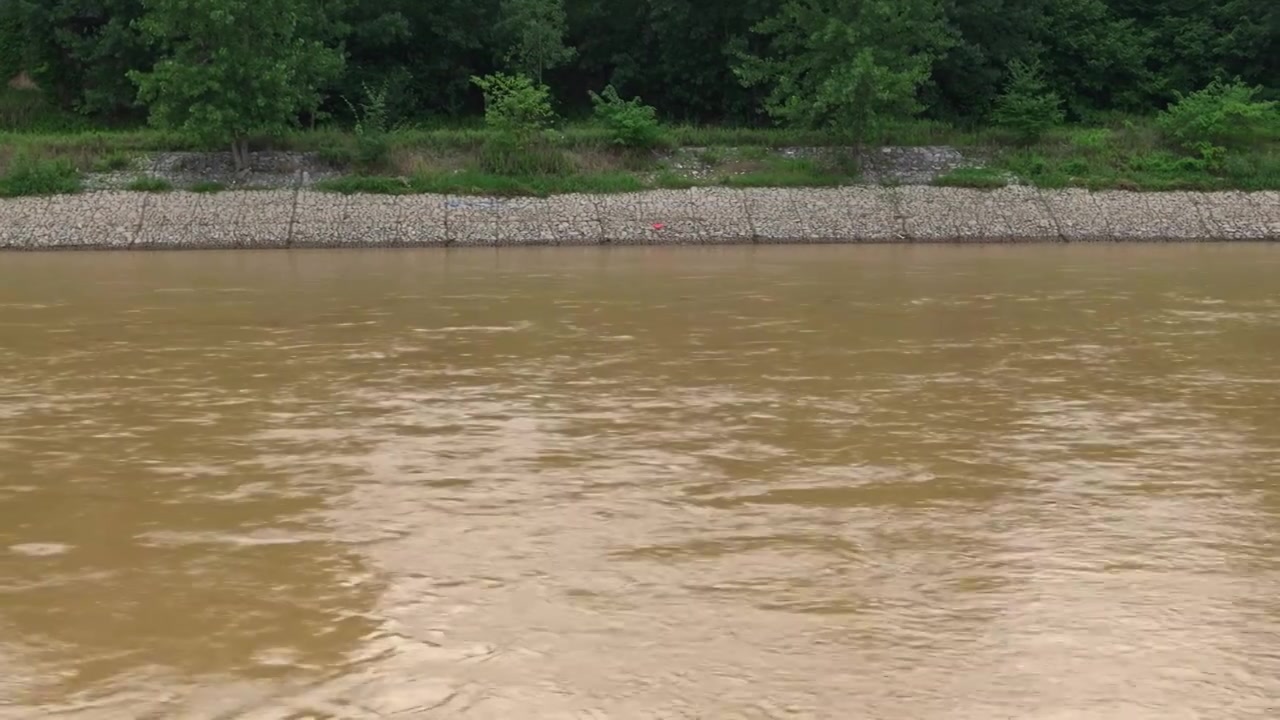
{"x":305,"y":218}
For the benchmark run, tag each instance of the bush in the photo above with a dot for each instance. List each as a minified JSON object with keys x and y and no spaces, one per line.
{"x":351,"y":185}
{"x":149,"y":183}
{"x":1027,"y":106}
{"x":1221,"y":114}
{"x":630,"y":123}
{"x":506,"y":153}
{"x":372,"y":143}
{"x":1091,"y":139}
{"x":32,"y":176}
{"x":113,"y":161}
{"x":515,"y":103}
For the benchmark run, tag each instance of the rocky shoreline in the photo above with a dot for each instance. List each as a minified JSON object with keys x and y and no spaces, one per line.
{"x":302,"y":218}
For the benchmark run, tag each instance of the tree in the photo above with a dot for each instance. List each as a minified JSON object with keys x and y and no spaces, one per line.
{"x":535,"y":30}
{"x":1027,"y":106}
{"x":989,"y":35}
{"x":11,"y":40}
{"x":230,"y":69}
{"x":423,"y":52}
{"x":81,"y":51}
{"x":1094,"y":58}
{"x":847,"y":65}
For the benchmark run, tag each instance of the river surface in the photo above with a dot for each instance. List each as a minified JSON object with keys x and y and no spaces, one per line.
{"x":909,"y":483}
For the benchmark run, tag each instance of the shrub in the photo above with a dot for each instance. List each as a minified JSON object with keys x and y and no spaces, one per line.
{"x":515,"y":103}
{"x":1027,"y":106}
{"x":372,"y":143}
{"x":150,"y":183}
{"x":33,"y":176}
{"x":113,"y":161}
{"x":1091,"y":139}
{"x":1220,"y":114}
{"x":353,"y":184}
{"x":506,"y":153}
{"x":630,"y":123}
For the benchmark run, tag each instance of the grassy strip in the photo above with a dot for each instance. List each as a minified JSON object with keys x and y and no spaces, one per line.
{"x":148,"y":183}
{"x":1133,"y":157}
{"x":1120,"y":153}
{"x":770,"y":172}
{"x":32,"y":176}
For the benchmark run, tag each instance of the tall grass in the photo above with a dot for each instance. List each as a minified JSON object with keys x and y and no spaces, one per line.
{"x":27,"y":175}
{"x":1130,"y":154}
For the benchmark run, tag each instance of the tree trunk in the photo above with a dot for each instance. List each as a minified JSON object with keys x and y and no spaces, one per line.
{"x":240,"y":155}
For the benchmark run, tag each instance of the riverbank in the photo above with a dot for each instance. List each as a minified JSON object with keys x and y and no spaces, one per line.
{"x":1126,"y":153}
{"x":303,"y":218}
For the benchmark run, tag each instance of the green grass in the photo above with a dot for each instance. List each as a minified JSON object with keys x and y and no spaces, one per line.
{"x":148,"y":183}
{"x":1123,"y":152}
{"x":30,"y":110}
{"x":113,"y":161}
{"x":979,"y":177}
{"x":27,"y":175}
{"x":792,"y":172}
{"x":1131,"y":154}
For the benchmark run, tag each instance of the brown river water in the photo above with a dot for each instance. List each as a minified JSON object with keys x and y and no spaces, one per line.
{"x":779,"y":482}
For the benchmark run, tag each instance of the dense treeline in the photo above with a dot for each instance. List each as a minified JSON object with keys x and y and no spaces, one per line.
{"x":746,"y":61}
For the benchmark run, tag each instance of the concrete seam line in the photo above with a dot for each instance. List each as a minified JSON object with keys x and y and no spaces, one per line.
{"x":1048,"y":210}
{"x":142,"y":220}
{"x":293,"y":216}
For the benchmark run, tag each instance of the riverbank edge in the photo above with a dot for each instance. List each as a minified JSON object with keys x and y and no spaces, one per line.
{"x":302,"y":218}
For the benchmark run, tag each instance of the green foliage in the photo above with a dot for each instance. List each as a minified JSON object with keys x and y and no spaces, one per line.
{"x":31,"y":111}
{"x":792,"y":172}
{"x":631,"y":123}
{"x":372,"y":142}
{"x":712,"y":156}
{"x":12,"y":41}
{"x":113,"y":161}
{"x":535,"y":31}
{"x":1027,"y":106}
{"x":859,"y":68}
{"x":847,"y":66}
{"x":1219,"y":115}
{"x":1091,"y":139}
{"x":515,"y":104}
{"x":80,"y":52}
{"x":234,"y":68}
{"x":30,"y":175}
{"x":1092,"y":56}
{"x":373,"y":185}
{"x":150,"y":183}
{"x":510,"y":155}
{"x":518,"y":110}
{"x":674,"y":181}
{"x":1133,"y":157}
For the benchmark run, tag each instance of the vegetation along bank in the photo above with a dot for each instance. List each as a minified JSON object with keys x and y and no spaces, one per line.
{"x":538,"y":97}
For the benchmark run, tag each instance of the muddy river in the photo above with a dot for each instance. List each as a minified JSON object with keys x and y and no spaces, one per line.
{"x":898,"y":483}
